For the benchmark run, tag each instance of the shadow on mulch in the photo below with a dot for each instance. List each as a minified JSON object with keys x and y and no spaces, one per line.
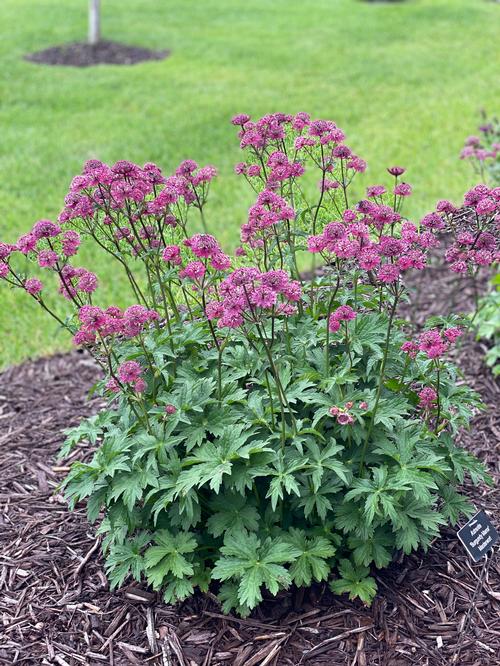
{"x":56,"y":606}
{"x":82,"y":54}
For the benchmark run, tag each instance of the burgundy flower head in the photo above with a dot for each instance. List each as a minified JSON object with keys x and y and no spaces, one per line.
{"x":396,"y":171}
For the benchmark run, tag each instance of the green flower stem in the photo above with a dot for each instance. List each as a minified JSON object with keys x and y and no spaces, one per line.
{"x":133,"y":282}
{"x":344,"y":184}
{"x":380,"y":382}
{"x":438,"y":387}
{"x":355,"y":284}
{"x":281,"y":393}
{"x":17,"y":282}
{"x":165,"y":304}
{"x":405,"y":369}
{"x":287,"y":337}
{"x":150,"y":286}
{"x":328,"y":313}
{"x":220,"y":349}
{"x":202,"y":217}
{"x":145,"y":411}
{"x":348,"y":345}
{"x":51,"y":313}
{"x":293,"y":252}
{"x":316,"y":213}
{"x":273,"y":421}
{"x":186,"y":299}
{"x":266,"y":266}
{"x":114,"y":376}
{"x":146,"y":354}
{"x":278,"y":245}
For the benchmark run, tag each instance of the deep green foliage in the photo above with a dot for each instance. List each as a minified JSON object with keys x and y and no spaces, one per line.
{"x":218,"y":492}
{"x":487,"y":324}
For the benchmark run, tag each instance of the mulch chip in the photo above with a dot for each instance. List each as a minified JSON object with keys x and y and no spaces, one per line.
{"x":56,"y":608}
{"x":82,"y":54}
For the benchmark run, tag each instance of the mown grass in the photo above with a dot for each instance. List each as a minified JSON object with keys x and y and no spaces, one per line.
{"x":404,"y":80}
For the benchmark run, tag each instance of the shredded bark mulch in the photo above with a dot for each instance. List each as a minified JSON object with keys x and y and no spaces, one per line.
{"x":82,"y":54}
{"x":432,"y":609}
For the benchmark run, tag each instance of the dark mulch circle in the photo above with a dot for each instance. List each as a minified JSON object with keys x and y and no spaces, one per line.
{"x":55,"y":603}
{"x":81,"y":54}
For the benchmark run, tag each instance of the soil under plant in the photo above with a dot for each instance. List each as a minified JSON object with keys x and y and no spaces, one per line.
{"x":55,"y":602}
{"x":82,"y":54}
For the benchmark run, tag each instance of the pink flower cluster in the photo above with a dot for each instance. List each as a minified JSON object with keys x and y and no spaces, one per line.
{"x":208,"y":252}
{"x":246,"y":293}
{"x":5,"y":252}
{"x":352,"y":239}
{"x":194,"y":174}
{"x":267,"y":131}
{"x":205,"y":246}
{"x":477,"y":225}
{"x":130,"y":374}
{"x":342,"y":313}
{"x":342,"y":414}
{"x":474,"y":148}
{"x":270,"y":209}
{"x":274,"y":128}
{"x":194,"y":270}
{"x":73,"y":281}
{"x":433,"y":342}
{"x":275,"y":163}
{"x":280,"y":169}
{"x":427,"y":398}
{"x":112,"y":321}
{"x":47,"y":243}
{"x":399,"y":190}
{"x":137,"y":203}
{"x":51,"y":248}
{"x":33,"y":286}
{"x":113,"y":186}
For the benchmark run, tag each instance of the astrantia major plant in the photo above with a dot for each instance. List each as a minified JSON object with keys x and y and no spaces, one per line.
{"x":483,"y":150}
{"x":262,"y":430}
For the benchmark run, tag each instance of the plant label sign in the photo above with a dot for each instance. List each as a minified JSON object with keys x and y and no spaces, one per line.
{"x":478,"y":536}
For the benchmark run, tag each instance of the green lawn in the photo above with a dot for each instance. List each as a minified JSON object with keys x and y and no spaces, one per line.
{"x":404,"y":80}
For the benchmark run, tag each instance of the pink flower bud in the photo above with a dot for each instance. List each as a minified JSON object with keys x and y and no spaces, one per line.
{"x":396,"y":171}
{"x":113,"y":386}
{"x":139,"y":385}
{"x":344,"y":418}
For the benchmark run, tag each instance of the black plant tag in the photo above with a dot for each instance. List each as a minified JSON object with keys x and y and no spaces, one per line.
{"x":478,"y":536}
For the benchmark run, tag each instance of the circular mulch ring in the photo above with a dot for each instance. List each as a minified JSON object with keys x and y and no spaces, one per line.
{"x":82,"y":54}
{"x":55,"y":602}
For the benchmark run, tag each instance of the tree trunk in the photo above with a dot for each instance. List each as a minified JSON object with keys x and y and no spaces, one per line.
{"x":94,"y":21}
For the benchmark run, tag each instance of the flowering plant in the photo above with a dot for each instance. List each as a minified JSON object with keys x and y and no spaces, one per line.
{"x":483,"y":151}
{"x":262,"y":430}
{"x":486,"y":321}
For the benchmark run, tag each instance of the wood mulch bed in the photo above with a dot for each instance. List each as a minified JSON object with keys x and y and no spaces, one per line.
{"x":82,"y":54}
{"x":56,"y":608}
